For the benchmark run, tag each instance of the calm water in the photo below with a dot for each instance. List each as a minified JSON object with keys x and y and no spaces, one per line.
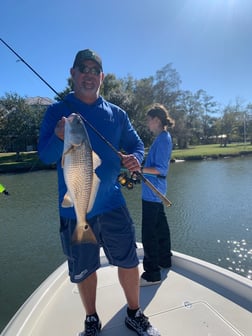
{"x":210,"y":218}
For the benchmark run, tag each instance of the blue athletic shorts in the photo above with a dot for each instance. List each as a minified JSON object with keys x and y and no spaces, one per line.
{"x":114,"y":231}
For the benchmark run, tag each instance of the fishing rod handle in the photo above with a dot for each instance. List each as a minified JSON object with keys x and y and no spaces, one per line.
{"x":154,"y":189}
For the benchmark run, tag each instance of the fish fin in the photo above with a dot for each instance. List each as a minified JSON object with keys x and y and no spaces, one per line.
{"x":83,"y":234}
{"x":69,"y":150}
{"x":95,"y":186}
{"x":95,"y":182}
{"x":96,"y":160}
{"x":62,"y":161}
{"x":67,"y":201}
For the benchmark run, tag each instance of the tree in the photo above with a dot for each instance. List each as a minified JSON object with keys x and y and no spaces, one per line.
{"x":248,"y":121}
{"x":206,"y":107}
{"x":19,"y":123}
{"x":166,"y":87}
{"x":186,"y":115}
{"x":113,"y":90}
{"x":67,"y":90}
{"x":229,"y":123}
{"x":143,"y":97}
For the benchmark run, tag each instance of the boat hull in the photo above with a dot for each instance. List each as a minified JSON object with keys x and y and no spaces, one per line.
{"x":195,"y":298}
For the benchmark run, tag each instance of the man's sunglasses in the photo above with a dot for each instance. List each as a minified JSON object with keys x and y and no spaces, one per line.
{"x":86,"y":70}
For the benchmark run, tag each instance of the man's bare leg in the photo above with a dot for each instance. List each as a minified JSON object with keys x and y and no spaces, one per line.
{"x":129,"y":280}
{"x":87,"y":290}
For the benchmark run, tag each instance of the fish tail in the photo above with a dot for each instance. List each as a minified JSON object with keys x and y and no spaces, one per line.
{"x":83,"y":234}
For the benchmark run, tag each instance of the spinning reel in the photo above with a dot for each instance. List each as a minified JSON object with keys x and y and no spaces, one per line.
{"x":128,"y":181}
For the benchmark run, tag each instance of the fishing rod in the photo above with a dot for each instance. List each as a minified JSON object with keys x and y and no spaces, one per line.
{"x":138,"y":174}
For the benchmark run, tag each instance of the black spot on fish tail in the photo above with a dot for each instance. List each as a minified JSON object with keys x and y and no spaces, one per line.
{"x":83,"y":234}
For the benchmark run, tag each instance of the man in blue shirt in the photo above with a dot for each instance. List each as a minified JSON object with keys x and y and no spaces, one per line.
{"x":109,"y":217}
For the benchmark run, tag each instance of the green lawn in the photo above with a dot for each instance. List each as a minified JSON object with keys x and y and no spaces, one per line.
{"x":214,"y":151}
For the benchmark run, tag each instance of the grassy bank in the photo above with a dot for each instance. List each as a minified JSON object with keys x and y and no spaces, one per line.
{"x":29,"y":161}
{"x":23,"y":162}
{"x":212,"y":151}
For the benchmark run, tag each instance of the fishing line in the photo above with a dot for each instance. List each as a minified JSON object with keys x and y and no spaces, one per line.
{"x":140,"y":175}
{"x":34,"y":71}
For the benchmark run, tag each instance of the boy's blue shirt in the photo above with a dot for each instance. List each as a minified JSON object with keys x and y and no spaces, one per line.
{"x":114,"y":125}
{"x":159,"y":156}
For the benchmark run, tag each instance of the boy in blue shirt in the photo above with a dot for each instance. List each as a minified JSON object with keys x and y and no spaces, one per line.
{"x":155,"y":229}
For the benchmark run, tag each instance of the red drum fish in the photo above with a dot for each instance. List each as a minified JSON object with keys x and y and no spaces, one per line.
{"x":79,"y":163}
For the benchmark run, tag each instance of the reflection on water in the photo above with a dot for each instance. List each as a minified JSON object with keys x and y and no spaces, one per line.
{"x":219,"y":195}
{"x":210,"y":219}
{"x":239,"y":257}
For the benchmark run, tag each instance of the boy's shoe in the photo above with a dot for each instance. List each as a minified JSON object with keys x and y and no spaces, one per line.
{"x":141,"y":325}
{"x":92,"y":326}
{"x":143,"y":282}
{"x":148,"y":279}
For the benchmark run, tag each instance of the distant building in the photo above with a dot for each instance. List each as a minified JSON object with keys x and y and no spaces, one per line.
{"x":39,"y":101}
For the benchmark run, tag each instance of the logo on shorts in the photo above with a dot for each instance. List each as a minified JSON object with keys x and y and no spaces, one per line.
{"x":81,"y":275}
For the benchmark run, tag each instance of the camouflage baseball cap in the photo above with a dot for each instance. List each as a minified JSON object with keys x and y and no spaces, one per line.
{"x":87,"y":54}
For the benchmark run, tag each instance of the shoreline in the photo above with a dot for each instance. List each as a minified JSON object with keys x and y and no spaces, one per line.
{"x":8,"y":165}
{"x":211,"y":157}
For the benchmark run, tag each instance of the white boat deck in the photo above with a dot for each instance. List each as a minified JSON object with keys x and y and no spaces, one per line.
{"x":195,"y":299}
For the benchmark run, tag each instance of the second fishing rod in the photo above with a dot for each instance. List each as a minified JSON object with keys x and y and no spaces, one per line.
{"x":138,"y":174}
